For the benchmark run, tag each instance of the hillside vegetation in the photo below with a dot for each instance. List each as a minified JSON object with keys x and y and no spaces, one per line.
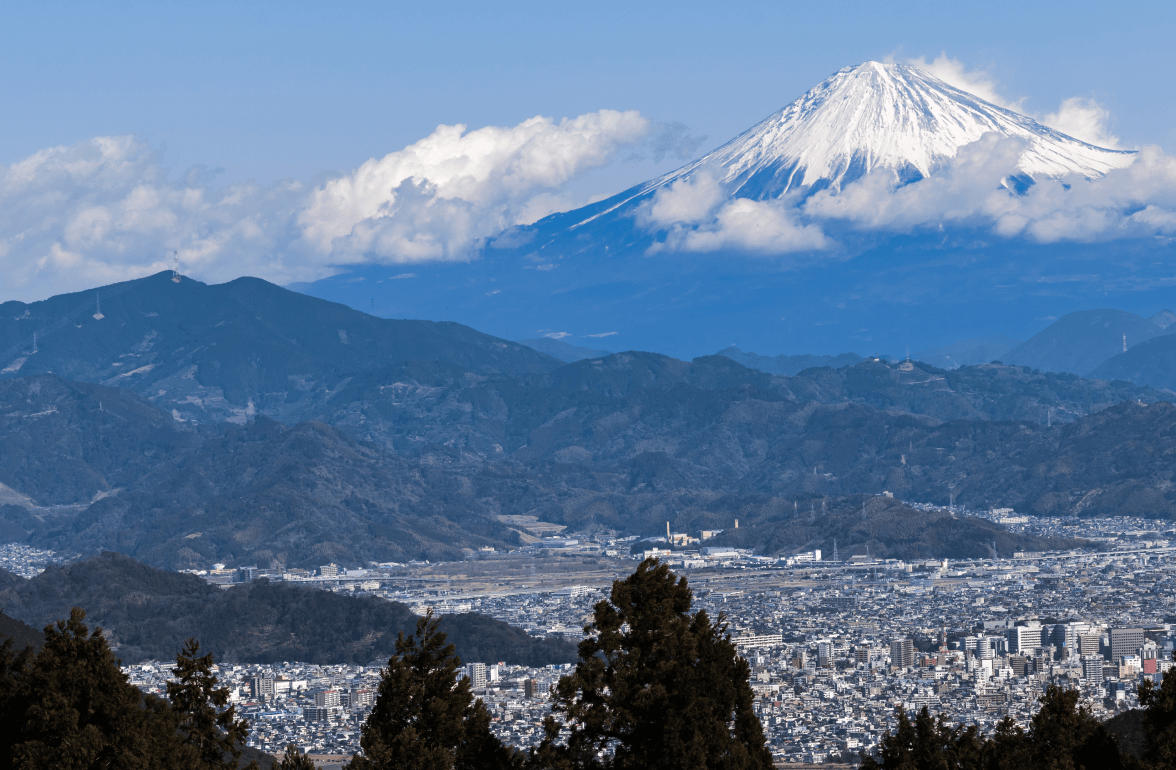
{"x":149,"y":613}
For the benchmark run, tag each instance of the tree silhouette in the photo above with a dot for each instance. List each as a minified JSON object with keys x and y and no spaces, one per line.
{"x":1159,"y":721}
{"x":655,"y":687}
{"x":295,"y":759}
{"x":425,"y":717}
{"x":1063,"y":735}
{"x":69,"y":705}
{"x":212,"y":731}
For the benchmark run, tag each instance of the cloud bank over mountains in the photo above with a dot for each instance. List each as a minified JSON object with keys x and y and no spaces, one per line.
{"x":107,"y":209}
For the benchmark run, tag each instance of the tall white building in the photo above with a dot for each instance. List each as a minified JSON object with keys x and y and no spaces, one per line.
{"x":477,"y":674}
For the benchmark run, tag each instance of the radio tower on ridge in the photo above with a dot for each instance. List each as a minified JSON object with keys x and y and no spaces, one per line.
{"x":175,"y":267}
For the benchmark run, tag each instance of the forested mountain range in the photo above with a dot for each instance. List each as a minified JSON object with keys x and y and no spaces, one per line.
{"x":424,"y":440}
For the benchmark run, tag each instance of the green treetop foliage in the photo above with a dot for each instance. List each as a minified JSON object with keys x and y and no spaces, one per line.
{"x":655,"y":687}
{"x":212,"y":731}
{"x":1159,"y":722}
{"x":1063,"y":735}
{"x":295,"y":759}
{"x":69,"y":706}
{"x":425,"y":717}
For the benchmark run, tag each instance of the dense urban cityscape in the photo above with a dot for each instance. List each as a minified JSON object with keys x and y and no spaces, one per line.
{"x":834,"y":646}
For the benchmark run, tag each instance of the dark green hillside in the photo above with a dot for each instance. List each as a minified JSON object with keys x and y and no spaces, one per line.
{"x":270,"y":495}
{"x":22,"y":634}
{"x":887,"y":527}
{"x":229,"y":350}
{"x":149,"y":613}
{"x":67,"y":442}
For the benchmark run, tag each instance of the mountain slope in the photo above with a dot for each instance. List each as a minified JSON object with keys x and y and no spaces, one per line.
{"x":149,"y":613}
{"x":231,"y":350}
{"x":886,"y":116}
{"x":1151,"y":362}
{"x":788,"y":365}
{"x":69,"y":443}
{"x":1080,"y":341}
{"x":627,"y":442}
{"x":883,"y":528}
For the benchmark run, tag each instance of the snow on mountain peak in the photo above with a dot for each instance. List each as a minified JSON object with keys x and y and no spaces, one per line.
{"x":881,"y":116}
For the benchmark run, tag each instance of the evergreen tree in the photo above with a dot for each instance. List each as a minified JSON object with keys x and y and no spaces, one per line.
{"x":928,"y":743}
{"x":1159,"y":721}
{"x":1064,"y":735}
{"x":294,"y":759}
{"x":425,"y":717}
{"x":70,"y":706}
{"x":210,"y":730}
{"x":655,"y":687}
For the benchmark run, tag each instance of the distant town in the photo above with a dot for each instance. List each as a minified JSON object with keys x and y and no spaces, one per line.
{"x":834,"y":645}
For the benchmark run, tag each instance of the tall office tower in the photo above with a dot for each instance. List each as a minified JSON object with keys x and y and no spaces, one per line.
{"x":477,"y":674}
{"x":1092,"y":668}
{"x":1025,"y":638}
{"x":530,"y":688}
{"x":824,"y":654}
{"x":261,"y":687}
{"x":902,"y":653}
{"x":1088,"y":644}
{"x":1125,"y":641}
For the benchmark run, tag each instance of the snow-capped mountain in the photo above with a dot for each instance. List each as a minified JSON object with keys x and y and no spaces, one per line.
{"x":878,"y":116}
{"x":591,"y":277}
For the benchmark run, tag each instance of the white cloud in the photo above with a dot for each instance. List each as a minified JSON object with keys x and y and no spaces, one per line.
{"x":955,"y":73}
{"x":968,"y":189}
{"x":1083,"y":119}
{"x":105,"y":210}
{"x":437,"y":198}
{"x":557,"y":335}
{"x":1080,"y":117}
{"x":602,"y":334}
{"x":1138,"y":201}
{"x":696,"y":215}
{"x":684,"y":201}
{"x":744,"y":225}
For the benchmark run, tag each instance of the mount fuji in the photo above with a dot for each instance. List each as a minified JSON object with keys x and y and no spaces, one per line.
{"x":616,"y":273}
{"x":873,"y":117}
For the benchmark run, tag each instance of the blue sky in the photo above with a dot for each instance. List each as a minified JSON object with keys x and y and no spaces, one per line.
{"x":214,"y":95}
{"x":271,"y":90}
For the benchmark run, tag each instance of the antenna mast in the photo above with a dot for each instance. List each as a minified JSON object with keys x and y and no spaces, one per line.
{"x":34,"y":342}
{"x":175,"y":267}
{"x":98,"y":307}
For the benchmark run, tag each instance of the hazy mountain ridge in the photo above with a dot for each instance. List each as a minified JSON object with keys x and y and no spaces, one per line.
{"x":1080,"y":342}
{"x":1152,"y":362}
{"x":788,"y":366}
